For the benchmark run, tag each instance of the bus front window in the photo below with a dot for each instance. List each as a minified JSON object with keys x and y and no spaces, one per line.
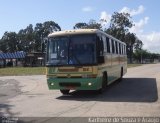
{"x":57,"y":51}
{"x":72,"y":50}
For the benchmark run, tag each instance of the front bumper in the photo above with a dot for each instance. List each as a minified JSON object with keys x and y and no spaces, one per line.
{"x":74,"y":83}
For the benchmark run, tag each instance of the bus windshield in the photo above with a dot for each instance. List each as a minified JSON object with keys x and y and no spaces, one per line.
{"x":72,"y":50}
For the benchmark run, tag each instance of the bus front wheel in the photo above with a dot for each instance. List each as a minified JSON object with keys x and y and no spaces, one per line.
{"x":64,"y":91}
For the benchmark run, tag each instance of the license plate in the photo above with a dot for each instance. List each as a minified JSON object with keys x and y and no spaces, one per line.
{"x":71,"y":87}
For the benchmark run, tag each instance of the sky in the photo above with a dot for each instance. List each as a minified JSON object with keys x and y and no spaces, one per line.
{"x":18,"y":14}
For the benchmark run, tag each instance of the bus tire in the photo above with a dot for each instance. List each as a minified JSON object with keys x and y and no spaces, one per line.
{"x":64,"y":92}
{"x":121,"y":74}
{"x":104,"y":83}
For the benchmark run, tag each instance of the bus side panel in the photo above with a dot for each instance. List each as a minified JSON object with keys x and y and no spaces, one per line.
{"x":124,"y":64}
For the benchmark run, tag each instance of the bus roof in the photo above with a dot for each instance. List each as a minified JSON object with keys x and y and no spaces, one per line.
{"x":73,"y":32}
{"x":81,"y":31}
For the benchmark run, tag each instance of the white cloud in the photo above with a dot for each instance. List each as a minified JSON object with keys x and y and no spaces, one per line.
{"x":105,"y":18}
{"x":133,"y":12}
{"x":151,"y":41}
{"x":138,"y":26}
{"x":87,"y":9}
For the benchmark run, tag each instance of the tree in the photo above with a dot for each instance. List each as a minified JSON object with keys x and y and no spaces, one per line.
{"x":119,"y":25}
{"x":9,"y":42}
{"x":3,"y":46}
{"x":80,"y":26}
{"x":49,"y":27}
{"x":119,"y":28}
{"x":26,"y":39}
{"x":31,"y":39}
{"x":140,"y":55}
{"x":154,"y":56}
{"x":23,"y":43}
{"x":39,"y":35}
{"x":41,"y":31}
{"x":138,"y":44}
{"x":92,"y":24}
{"x":130,"y":39}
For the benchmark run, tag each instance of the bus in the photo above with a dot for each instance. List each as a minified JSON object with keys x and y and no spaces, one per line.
{"x":84,"y":59}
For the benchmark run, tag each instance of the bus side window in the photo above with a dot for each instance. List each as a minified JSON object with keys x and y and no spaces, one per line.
{"x":104,"y":43}
{"x":113,"y":46}
{"x":125,"y":49}
{"x":100,"y":49}
{"x":119,"y":48}
{"x":122,"y":50}
{"x":108,"y":44}
{"x":116,"y":47}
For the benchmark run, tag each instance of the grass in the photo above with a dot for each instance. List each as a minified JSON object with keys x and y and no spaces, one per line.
{"x":15,"y":71}
{"x":133,"y":65}
{"x":19,"y":71}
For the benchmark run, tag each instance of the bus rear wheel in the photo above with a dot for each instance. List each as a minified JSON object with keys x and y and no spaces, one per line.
{"x":104,"y":83}
{"x":64,"y":92}
{"x":121,"y":74}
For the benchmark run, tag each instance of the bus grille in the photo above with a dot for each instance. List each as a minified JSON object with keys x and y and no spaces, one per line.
{"x":64,"y":84}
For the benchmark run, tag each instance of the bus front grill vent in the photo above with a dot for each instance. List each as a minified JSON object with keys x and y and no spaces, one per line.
{"x":65,"y":84}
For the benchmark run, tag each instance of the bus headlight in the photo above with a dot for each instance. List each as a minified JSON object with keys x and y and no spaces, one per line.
{"x":52,"y":84}
{"x":89,"y":84}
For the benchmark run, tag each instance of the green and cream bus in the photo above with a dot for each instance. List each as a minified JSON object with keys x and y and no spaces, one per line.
{"x":84,"y":59}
